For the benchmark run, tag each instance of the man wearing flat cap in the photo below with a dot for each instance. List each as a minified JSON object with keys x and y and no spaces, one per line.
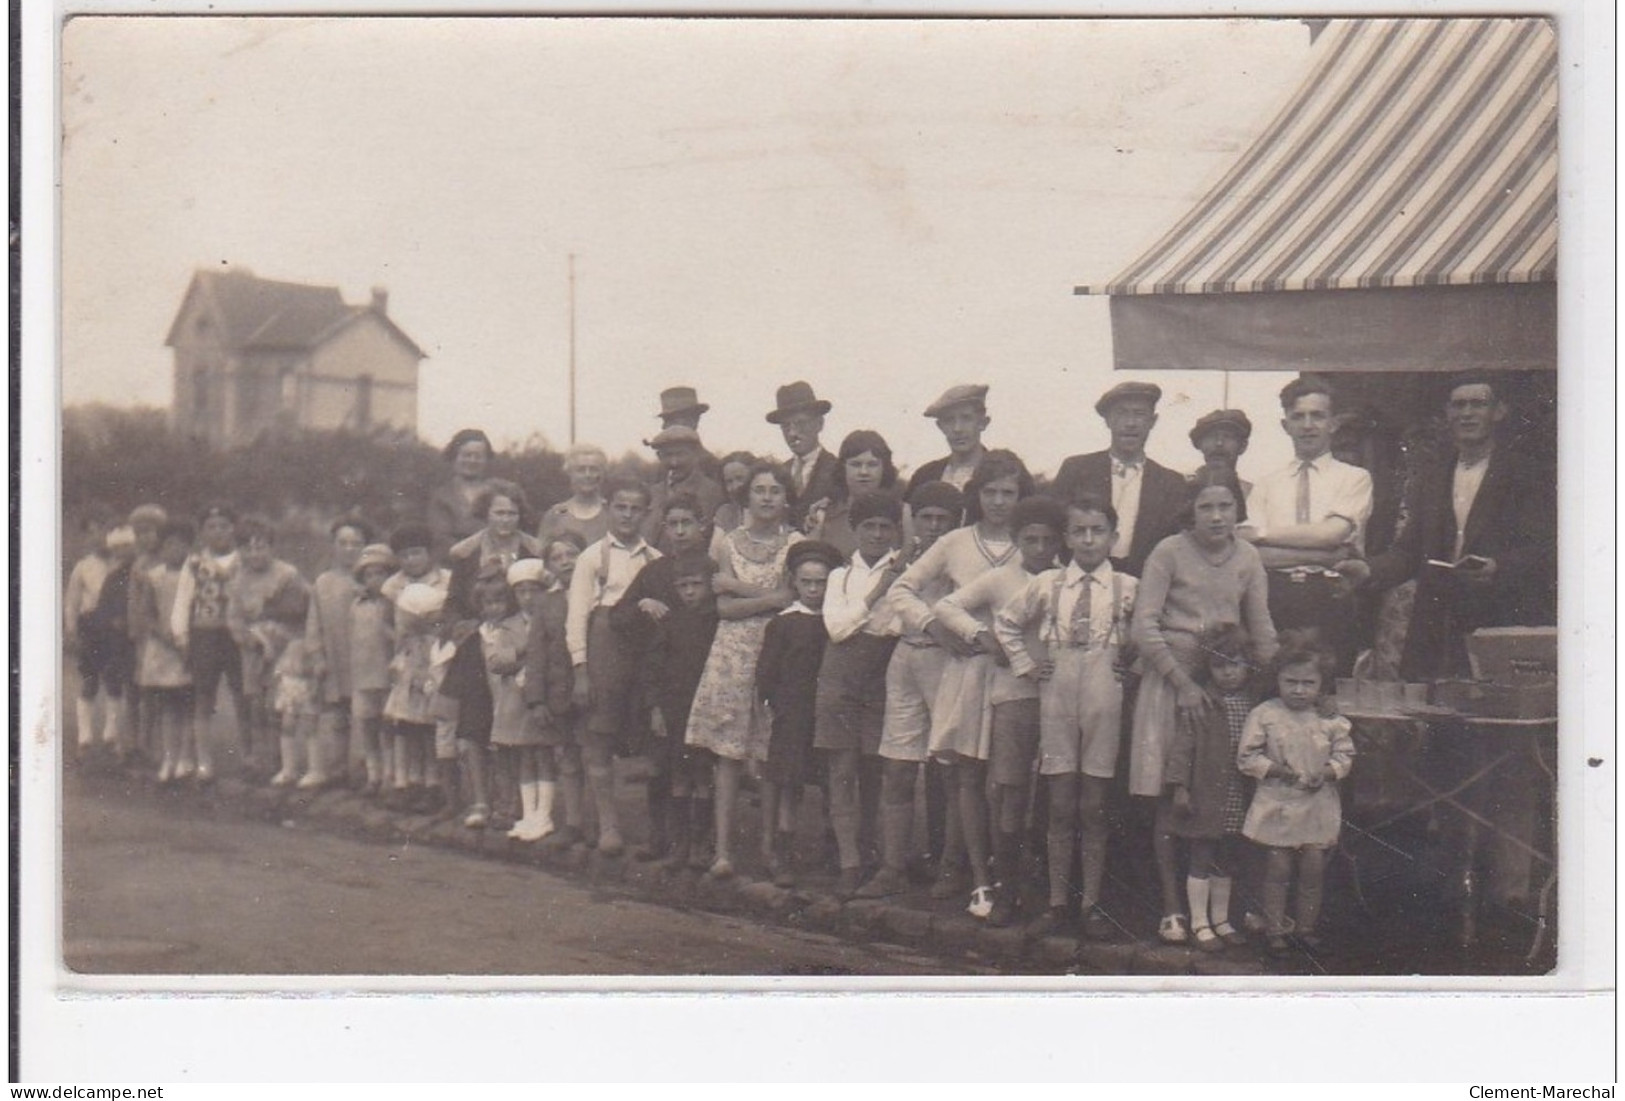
{"x":961,"y":415}
{"x":1148,"y":497}
{"x":679,"y":451}
{"x":1222,"y":436}
{"x":799,"y":413}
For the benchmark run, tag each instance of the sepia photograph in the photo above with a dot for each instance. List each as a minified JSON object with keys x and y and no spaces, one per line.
{"x":1048,"y":505}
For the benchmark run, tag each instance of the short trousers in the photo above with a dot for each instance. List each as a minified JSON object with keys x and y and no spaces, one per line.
{"x":1015,"y":742}
{"x":422,"y":731}
{"x":850,"y":711}
{"x":912,"y":679}
{"x":211,"y":654}
{"x":1080,"y":728}
{"x":613,"y":709}
{"x":105,"y":661}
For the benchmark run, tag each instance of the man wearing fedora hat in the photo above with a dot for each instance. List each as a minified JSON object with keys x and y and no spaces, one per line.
{"x":799,"y":413}
{"x":679,"y":451}
{"x":1148,"y":497}
{"x":961,"y":415}
{"x":680,"y":406}
{"x":1222,"y":436}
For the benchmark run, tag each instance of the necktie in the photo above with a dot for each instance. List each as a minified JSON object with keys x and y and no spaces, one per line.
{"x":1303,"y":492}
{"x":1080,"y":613}
{"x":798,"y":473}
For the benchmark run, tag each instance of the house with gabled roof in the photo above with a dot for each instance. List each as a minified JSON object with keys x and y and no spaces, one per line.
{"x":253,"y":354}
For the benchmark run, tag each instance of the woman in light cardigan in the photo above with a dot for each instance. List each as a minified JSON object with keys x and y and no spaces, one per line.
{"x":1203,"y":576}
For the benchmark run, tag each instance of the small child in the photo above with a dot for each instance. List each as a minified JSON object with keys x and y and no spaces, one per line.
{"x":146,"y":521}
{"x":296,"y":699}
{"x":672,"y":663}
{"x":1297,"y":755}
{"x":163,"y":674}
{"x":514,"y":728}
{"x":851,"y":705}
{"x":372,"y":643}
{"x":200,"y":627}
{"x":110,"y":621}
{"x":548,"y":682}
{"x":327,"y":648}
{"x":468,"y":683}
{"x":787,"y":680}
{"x":1208,"y":796}
{"x":649,"y":599}
{"x":266,"y":605}
{"x":1082,"y":612}
{"x":411,"y":544}
{"x":420,"y":617}
{"x":600,"y":661}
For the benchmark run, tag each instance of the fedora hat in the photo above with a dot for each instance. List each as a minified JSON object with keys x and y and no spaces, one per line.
{"x":677,"y":400}
{"x":796,"y":397}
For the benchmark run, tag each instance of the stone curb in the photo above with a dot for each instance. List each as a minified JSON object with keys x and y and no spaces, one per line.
{"x":950,"y":935}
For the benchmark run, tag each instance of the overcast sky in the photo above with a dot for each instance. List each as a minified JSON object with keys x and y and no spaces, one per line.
{"x":883,"y":208}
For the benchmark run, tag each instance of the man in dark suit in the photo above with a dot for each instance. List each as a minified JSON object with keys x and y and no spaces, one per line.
{"x":1481,"y":542}
{"x":1149,"y":498}
{"x":961,"y":415}
{"x":1481,"y":539}
{"x":799,"y":413}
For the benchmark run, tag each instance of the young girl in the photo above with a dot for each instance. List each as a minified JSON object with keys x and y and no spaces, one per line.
{"x":327,"y":647}
{"x":296,"y":699}
{"x":266,"y":605}
{"x":1207,"y":796}
{"x":751,"y":588}
{"x":548,"y":687}
{"x":467,"y":683}
{"x":1297,"y":755}
{"x":163,"y":674}
{"x":505,"y":660}
{"x":199,"y":626}
{"x":372,"y":641}
{"x":961,"y":715}
{"x":420,"y":614}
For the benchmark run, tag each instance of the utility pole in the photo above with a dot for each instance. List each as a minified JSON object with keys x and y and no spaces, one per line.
{"x":572,"y":349}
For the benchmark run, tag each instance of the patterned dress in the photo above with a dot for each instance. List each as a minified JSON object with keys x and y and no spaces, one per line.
{"x":726,"y":717}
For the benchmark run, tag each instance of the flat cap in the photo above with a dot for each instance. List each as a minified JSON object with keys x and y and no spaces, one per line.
{"x":1144,"y":391}
{"x":965,"y":394}
{"x":1233,"y":419}
{"x":676,"y":434}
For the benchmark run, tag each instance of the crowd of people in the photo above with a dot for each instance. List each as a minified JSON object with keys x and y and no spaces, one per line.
{"x":1132,"y":634}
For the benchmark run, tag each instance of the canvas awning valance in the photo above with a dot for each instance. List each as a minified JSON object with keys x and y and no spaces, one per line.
{"x":1399,"y":213}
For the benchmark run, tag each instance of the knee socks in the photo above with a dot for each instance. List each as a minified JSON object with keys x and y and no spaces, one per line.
{"x":1197,"y":891}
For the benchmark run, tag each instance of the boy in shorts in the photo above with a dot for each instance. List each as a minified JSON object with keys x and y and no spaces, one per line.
{"x":1081,"y":613}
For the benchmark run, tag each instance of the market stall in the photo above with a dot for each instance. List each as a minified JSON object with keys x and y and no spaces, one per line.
{"x":1395,"y":223}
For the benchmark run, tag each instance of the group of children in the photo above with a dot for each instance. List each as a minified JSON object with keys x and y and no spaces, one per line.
{"x":996,"y":655}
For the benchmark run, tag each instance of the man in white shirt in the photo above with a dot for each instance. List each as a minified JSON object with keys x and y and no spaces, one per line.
{"x":603,"y":668}
{"x":1308,"y":521}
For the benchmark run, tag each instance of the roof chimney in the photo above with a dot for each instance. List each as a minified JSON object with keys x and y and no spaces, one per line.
{"x":380,"y":301}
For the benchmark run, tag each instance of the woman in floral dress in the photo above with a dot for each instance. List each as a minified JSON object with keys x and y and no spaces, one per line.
{"x":751,"y":589}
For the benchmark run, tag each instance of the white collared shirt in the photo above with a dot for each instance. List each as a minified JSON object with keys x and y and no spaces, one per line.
{"x":1464,"y":487}
{"x":1127,"y":480}
{"x":1100,"y":603}
{"x":1336,"y":490}
{"x":603,"y":573}
{"x":846,"y":610}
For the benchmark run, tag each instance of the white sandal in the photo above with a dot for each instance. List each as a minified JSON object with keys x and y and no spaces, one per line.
{"x":1173,"y":930}
{"x":981,"y":902}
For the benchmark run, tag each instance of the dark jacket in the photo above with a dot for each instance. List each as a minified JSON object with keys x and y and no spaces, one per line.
{"x":1513,"y":521}
{"x":933,"y":472}
{"x":1163,"y":495}
{"x":820,"y":486}
{"x":549,"y":677}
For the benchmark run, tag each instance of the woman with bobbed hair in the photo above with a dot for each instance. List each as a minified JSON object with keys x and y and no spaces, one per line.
{"x":865,"y":466}
{"x":503,"y":510}
{"x":585,"y":511}
{"x":450,"y":508}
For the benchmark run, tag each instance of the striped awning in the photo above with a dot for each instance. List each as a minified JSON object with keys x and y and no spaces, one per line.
{"x":1417,"y":152}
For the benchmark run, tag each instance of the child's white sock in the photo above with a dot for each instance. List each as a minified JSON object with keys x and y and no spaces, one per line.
{"x":1197,"y":891}
{"x":85,"y":715}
